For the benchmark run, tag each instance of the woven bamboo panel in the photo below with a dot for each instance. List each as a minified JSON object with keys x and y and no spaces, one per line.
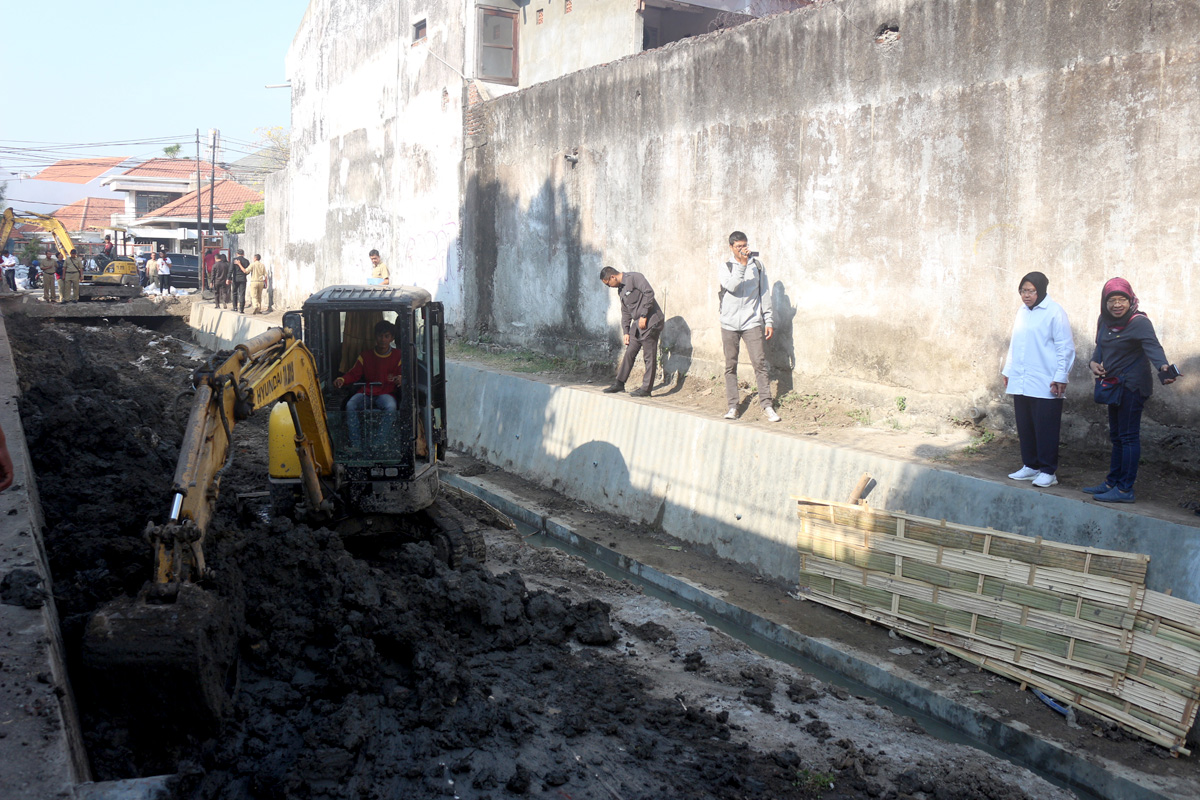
{"x":1076,"y":622}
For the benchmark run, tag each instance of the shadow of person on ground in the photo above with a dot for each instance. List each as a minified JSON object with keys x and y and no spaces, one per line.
{"x":675,"y":347}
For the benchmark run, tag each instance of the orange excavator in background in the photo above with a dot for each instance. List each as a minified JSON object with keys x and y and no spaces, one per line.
{"x":114,"y":278}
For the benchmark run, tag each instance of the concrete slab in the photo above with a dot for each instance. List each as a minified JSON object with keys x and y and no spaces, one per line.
{"x":730,"y":486}
{"x":41,"y":747}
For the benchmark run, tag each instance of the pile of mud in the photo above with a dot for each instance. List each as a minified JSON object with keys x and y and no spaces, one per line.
{"x":371,"y":673}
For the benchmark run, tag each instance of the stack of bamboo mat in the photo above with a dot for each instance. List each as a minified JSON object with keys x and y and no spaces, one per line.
{"x":1075,"y":622}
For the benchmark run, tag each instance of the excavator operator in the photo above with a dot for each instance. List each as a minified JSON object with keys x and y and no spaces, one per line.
{"x":378,"y":372}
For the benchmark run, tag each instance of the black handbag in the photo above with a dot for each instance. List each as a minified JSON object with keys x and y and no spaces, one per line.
{"x":1108,"y":390}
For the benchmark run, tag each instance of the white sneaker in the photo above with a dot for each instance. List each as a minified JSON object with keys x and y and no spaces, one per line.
{"x":731,"y":413}
{"x":1025,"y":474}
{"x":1044,"y":480}
{"x":770,"y":414}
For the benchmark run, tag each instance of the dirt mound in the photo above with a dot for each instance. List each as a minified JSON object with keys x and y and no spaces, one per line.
{"x":373,"y":670}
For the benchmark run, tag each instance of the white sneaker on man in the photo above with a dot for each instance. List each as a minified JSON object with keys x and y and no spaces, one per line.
{"x":770,"y":414}
{"x":1045,"y":480}
{"x":731,"y":413}
{"x":1025,"y":474}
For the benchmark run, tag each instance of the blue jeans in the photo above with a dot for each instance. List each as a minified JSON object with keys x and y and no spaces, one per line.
{"x":383,"y":406}
{"x":1125,"y":432}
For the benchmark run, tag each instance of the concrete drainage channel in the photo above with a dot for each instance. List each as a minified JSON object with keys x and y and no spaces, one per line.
{"x":940,"y":716}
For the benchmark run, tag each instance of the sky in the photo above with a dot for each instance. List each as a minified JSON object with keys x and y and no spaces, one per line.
{"x":121,"y":77}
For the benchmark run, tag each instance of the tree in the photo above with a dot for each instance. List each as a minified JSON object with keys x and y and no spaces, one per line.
{"x":237,"y":220}
{"x":172,"y":150}
{"x":275,"y":146}
{"x":3,"y":192}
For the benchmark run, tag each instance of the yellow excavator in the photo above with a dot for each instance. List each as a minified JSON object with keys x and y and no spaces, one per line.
{"x":358,"y":471}
{"x":114,"y":278}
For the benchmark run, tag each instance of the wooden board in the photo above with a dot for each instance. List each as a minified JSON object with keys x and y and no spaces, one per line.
{"x":1076,"y":622}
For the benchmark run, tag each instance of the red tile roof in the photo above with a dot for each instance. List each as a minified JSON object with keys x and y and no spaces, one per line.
{"x":183,"y":168}
{"x":230,"y":197}
{"x":89,"y":214}
{"x":78,"y":170}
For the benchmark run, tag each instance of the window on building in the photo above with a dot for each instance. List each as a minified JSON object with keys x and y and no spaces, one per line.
{"x":145,"y":202}
{"x":419,"y":31}
{"x":498,"y":46}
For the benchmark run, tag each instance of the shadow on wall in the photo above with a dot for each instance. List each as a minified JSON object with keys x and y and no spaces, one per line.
{"x":529,"y":280}
{"x":526,"y":427}
{"x":781,"y":349}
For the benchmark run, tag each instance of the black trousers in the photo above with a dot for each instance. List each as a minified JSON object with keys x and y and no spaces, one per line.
{"x":1039,"y":420}
{"x":239,"y":295}
{"x":648,"y":341}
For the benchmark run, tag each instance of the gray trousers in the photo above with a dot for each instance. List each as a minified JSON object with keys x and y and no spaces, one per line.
{"x":648,"y":344}
{"x":755,"y":348}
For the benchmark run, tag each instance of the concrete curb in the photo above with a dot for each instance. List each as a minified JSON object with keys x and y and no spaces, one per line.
{"x":42,"y":747}
{"x":1019,"y":746}
{"x":729,"y":486}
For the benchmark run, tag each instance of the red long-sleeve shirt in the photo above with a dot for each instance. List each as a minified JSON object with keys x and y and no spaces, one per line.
{"x":374,"y":368}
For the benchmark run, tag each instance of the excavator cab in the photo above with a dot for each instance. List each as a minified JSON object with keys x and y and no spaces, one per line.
{"x":386,"y":444}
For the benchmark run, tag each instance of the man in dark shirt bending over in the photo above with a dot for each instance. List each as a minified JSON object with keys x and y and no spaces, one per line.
{"x":379,"y":370}
{"x":641,"y":324}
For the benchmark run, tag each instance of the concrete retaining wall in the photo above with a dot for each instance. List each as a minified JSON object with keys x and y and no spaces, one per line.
{"x":42,"y":750}
{"x":900,"y":164}
{"x":729,"y":487}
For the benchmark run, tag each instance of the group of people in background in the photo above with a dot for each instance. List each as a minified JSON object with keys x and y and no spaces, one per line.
{"x":230,"y":280}
{"x":746,"y":317}
{"x":1036,"y":371}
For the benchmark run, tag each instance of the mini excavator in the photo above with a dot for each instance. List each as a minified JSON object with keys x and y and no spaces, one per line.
{"x":175,"y":644}
{"x":111,"y":279}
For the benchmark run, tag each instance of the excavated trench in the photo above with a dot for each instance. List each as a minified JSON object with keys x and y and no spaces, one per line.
{"x":377,"y":671}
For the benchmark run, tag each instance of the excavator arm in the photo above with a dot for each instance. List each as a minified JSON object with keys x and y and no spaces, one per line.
{"x":62,"y":239}
{"x":270,"y":367}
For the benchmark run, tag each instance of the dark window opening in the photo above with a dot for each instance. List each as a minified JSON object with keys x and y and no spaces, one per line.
{"x":145,"y":202}
{"x":649,"y":37}
{"x":419,"y":31}
{"x":497,"y":51}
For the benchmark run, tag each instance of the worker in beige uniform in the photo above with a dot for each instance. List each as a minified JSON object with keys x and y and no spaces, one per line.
{"x":258,"y":279}
{"x":72,"y":272}
{"x":48,"y":265}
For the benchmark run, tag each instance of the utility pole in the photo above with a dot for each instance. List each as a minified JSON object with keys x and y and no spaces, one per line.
{"x":212,"y":182}
{"x":199,"y":212}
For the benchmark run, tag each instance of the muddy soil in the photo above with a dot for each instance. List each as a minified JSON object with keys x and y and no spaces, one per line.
{"x":370,"y":669}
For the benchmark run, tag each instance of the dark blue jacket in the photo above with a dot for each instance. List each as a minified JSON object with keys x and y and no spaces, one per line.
{"x":1130,"y":353}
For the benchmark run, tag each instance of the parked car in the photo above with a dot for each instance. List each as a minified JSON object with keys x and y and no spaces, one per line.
{"x":185,"y":270}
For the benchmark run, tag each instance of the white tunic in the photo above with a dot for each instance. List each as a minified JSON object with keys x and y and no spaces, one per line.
{"x":1041,"y":350}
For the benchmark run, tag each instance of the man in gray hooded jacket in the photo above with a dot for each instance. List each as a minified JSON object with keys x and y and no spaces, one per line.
{"x":746,"y":316}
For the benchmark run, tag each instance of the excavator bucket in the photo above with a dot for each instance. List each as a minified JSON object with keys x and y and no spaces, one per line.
{"x":165,"y":669}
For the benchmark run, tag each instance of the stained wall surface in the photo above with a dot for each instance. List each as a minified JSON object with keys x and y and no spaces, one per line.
{"x":900,"y":165}
{"x":376,"y":149}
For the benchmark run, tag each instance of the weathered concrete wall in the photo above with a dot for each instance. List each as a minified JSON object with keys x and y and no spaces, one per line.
{"x":376,"y":149}
{"x":897,"y":186}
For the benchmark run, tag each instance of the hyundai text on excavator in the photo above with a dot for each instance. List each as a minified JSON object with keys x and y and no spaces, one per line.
{"x":116,"y":278}
{"x":176,"y":642}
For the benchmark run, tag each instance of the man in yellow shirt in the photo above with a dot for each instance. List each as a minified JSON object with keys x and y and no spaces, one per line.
{"x":379,"y":271}
{"x":258,"y":279}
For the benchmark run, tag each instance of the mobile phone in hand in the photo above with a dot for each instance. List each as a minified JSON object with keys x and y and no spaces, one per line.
{"x":1170,"y":372}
